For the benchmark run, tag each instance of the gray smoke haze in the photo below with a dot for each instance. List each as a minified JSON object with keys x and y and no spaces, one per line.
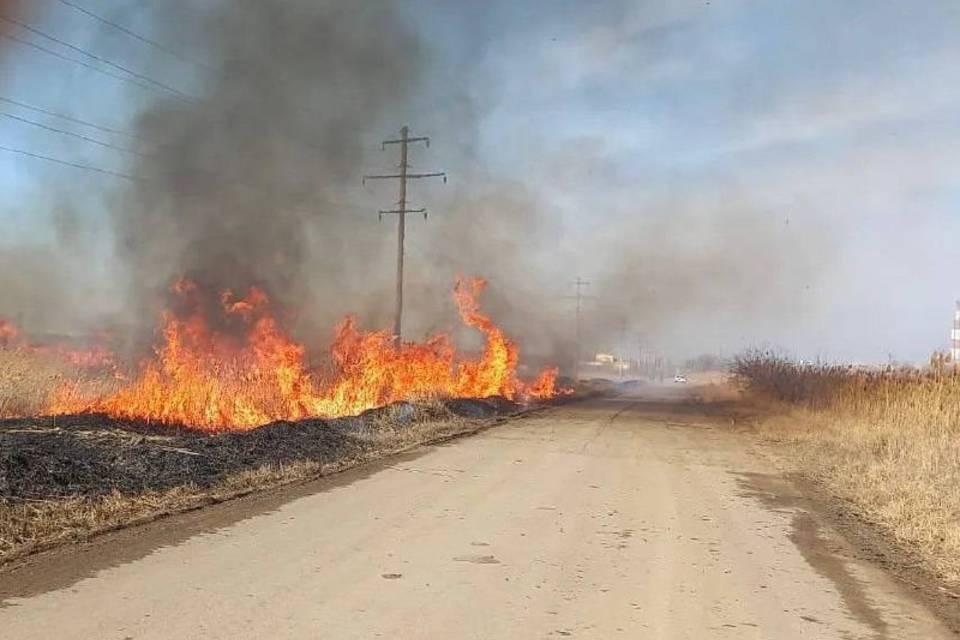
{"x":247,"y":184}
{"x":255,"y":180}
{"x":717,"y":270}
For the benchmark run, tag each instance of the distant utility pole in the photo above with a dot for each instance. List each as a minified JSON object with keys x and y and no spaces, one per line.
{"x":402,"y":212}
{"x":579,"y":283}
{"x":622,"y":348}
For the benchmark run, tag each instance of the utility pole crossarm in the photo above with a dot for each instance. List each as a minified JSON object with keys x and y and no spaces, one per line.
{"x":423,"y":139}
{"x":392,"y":176}
{"x":384,"y":212}
{"x":437,"y":174}
{"x":400,"y":176}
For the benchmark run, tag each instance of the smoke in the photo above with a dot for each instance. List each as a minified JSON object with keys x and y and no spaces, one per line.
{"x":255,"y":180}
{"x":691,"y":272}
{"x":11,"y":8}
{"x":249,"y":181}
{"x":493,"y":226}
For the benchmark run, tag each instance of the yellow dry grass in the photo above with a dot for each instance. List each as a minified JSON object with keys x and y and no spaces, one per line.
{"x":26,"y":382}
{"x":30,"y":381}
{"x":886,"y":440}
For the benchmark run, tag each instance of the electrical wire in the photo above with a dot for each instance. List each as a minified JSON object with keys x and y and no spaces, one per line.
{"x":79,"y":136}
{"x":94,"y":56}
{"x":67,"y":163}
{"x":24,"y":105}
{"x":57,"y":54}
{"x":132,"y":34}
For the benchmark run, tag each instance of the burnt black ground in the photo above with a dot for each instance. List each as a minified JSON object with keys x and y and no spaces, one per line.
{"x":91,"y":455}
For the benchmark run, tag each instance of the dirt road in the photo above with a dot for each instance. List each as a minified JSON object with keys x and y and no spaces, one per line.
{"x":611,"y":518}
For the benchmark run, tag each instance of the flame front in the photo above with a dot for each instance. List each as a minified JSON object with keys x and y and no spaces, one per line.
{"x":206,"y":379}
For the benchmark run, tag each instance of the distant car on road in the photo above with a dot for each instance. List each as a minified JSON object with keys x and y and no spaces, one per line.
{"x":680,"y":378}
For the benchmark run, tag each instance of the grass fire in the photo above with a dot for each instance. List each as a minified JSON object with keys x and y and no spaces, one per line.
{"x":251,"y":372}
{"x":488,"y":319}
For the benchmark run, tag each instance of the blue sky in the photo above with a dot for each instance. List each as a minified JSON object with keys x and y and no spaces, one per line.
{"x":728,"y":173}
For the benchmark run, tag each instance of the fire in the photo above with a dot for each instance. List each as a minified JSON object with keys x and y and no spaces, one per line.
{"x":95,"y":357}
{"x":495,"y":373}
{"x":212,"y":380}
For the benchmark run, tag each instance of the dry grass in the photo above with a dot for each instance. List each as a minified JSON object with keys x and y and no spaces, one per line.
{"x":30,"y":380}
{"x":26,"y":382}
{"x":886,"y":440}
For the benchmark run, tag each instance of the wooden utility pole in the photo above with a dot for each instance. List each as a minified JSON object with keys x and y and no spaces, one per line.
{"x":579,"y":283}
{"x":404,"y":140}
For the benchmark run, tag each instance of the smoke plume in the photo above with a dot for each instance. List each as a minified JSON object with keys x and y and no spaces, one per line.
{"x":246,"y":185}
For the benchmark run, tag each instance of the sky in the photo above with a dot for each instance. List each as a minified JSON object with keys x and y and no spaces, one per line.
{"x":727,"y":173}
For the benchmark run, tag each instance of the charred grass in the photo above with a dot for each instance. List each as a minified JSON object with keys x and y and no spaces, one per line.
{"x":68,"y":478}
{"x":885,"y":441}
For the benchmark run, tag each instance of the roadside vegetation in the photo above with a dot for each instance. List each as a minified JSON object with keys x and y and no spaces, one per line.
{"x":67,"y":478}
{"x":887,"y":440}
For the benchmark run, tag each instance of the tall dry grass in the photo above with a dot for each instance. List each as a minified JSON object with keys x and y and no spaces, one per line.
{"x":27,"y":382}
{"x":31,"y":380}
{"x":886,"y":439}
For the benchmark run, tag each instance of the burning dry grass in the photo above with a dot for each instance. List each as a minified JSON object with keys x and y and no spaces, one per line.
{"x":225,"y":405}
{"x":886,"y":440}
{"x":240,"y":368}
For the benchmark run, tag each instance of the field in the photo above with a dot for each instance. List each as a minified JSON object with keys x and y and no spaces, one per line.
{"x":887,"y":441}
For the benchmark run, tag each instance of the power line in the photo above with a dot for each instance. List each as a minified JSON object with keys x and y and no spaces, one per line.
{"x":94,"y":56}
{"x":57,"y":54}
{"x":79,"y":136}
{"x":133,"y":34}
{"x":24,"y":105}
{"x":76,"y":165}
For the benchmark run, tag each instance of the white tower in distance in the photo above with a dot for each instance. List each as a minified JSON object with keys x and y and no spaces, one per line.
{"x":955,"y":336}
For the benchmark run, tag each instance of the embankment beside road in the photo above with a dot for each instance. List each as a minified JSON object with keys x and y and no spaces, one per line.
{"x":68,"y":478}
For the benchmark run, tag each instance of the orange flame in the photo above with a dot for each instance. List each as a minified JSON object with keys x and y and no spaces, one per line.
{"x":208,"y":380}
{"x":94,"y":357}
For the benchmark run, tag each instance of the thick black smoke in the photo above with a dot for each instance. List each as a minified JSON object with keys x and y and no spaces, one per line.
{"x":246,"y":182}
